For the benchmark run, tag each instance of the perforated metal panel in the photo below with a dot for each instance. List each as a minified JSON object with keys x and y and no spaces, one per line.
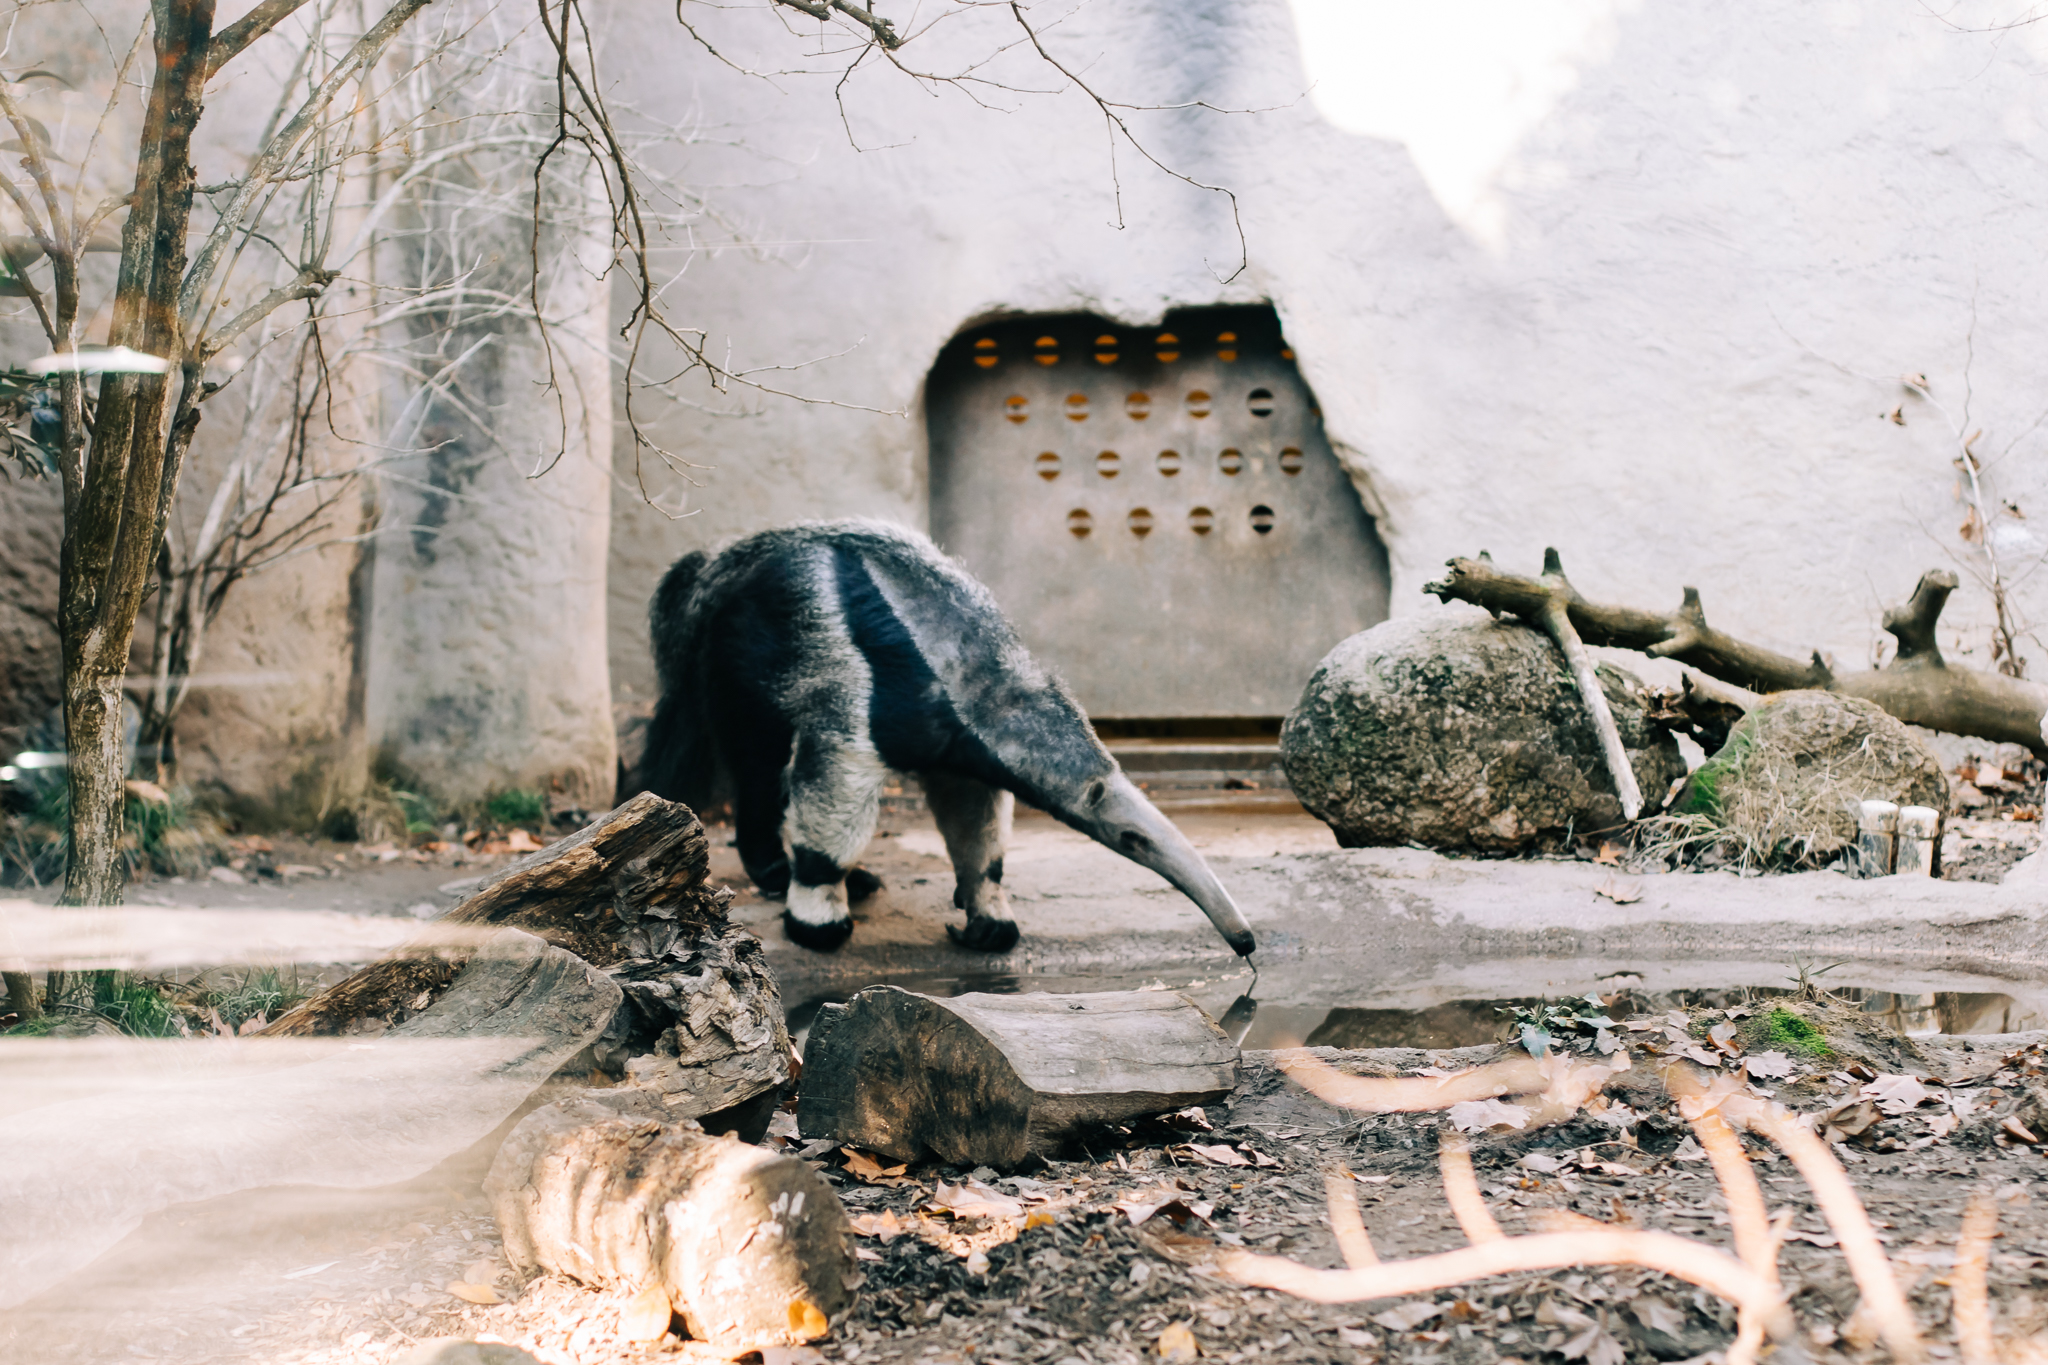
{"x":1158,"y":510}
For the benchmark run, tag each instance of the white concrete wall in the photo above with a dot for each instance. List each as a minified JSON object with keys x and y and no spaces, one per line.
{"x":1715,"y":256}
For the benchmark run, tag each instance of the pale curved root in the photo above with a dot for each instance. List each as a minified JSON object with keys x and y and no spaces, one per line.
{"x":1824,"y":1175}
{"x":1971,"y":1293}
{"x":1412,"y":1094}
{"x":1461,"y":1189}
{"x":1347,"y":1221}
{"x":1714,"y":1271}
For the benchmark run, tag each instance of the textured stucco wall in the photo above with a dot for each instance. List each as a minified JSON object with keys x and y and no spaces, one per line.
{"x":1718,"y":254}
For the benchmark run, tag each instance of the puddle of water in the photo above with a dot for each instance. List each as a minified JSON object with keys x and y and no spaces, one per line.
{"x":1278,"y":1021}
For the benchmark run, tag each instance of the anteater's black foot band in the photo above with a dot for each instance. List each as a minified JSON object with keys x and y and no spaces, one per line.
{"x":861,"y":883}
{"x":985,"y":933}
{"x":823,"y":938}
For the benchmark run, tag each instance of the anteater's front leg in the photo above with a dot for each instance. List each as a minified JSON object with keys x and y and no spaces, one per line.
{"x":974,"y":819}
{"x":835,"y":792}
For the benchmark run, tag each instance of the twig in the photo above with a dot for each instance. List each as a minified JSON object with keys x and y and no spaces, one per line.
{"x":1831,"y":1190}
{"x":1557,"y":622}
{"x":1347,"y":1221}
{"x":1687,"y":1260}
{"x":1967,"y":1286}
{"x":1461,"y":1189}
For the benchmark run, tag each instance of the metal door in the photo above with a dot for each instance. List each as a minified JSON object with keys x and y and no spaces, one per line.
{"x":1157,"y":509}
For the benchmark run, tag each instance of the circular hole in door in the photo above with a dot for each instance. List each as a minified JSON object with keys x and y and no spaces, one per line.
{"x":1105,"y":350}
{"x":1198,"y":403}
{"x":1226,"y":346}
{"x":1140,"y":522}
{"x":985,"y":353}
{"x":1290,"y":461}
{"x":1016,"y":407}
{"x":1047,"y":465}
{"x":1260,"y":402}
{"x":1079,"y":522}
{"x":1231,"y":462}
{"x":1262,"y":519}
{"x":1047,"y":350}
{"x":1077,"y":407}
{"x":1109,"y":464}
{"x":1201,"y":520}
{"x":1169,"y":462}
{"x":1139,"y":406}
{"x":1169,"y":348}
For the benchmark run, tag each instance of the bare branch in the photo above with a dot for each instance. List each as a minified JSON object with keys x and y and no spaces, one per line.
{"x":884,"y":30}
{"x":229,"y":42}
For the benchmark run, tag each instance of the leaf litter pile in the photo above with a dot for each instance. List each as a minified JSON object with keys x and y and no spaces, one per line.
{"x":1781,"y":1181}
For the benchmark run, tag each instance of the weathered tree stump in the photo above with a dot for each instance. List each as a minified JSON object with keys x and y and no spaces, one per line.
{"x":702,"y":1023}
{"x":752,"y":1249}
{"x":1001,"y":1079}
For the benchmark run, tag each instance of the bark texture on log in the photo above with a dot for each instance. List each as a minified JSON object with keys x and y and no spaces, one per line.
{"x":1000,"y":1080}
{"x":702,"y":1021}
{"x":77,"y":1177}
{"x":627,"y":882}
{"x":1918,"y":686}
{"x":752,"y":1248}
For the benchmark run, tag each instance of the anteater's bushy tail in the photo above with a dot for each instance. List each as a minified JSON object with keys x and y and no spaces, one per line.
{"x":679,"y":762}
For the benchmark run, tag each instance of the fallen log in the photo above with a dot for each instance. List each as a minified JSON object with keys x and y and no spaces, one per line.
{"x":750,"y":1249}
{"x":634,"y":879}
{"x":999,"y":1080}
{"x":1917,"y":686}
{"x":702,"y":1019}
{"x":78,"y":1176}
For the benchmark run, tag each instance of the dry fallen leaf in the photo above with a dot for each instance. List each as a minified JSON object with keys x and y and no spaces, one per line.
{"x":519,"y":841}
{"x":473,"y":1293}
{"x":1722,"y":1035}
{"x":884,"y":1225}
{"x":975,"y":1200}
{"x":1897,"y":1094}
{"x":1769,"y":1065}
{"x":1177,"y":1342}
{"x":1609,"y":854}
{"x":1620,"y":892}
{"x":1216,"y":1154}
{"x":866,"y":1168}
{"x":1408,"y":1316}
{"x":645,"y":1316}
{"x":1469,"y":1116}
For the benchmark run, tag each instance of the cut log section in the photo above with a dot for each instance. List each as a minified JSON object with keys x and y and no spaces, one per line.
{"x":752,"y":1249}
{"x":1917,"y":687}
{"x":1000,"y":1080}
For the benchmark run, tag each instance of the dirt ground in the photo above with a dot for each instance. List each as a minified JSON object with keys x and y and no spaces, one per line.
{"x":1071,"y":1274}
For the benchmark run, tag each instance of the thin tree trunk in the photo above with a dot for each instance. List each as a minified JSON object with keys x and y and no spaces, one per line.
{"x":21,"y":994}
{"x":111,"y":546}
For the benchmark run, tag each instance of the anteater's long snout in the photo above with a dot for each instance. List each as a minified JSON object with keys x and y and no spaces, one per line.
{"x":1126,"y":821}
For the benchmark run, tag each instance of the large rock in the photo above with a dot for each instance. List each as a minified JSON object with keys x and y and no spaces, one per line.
{"x":1457,"y":731}
{"x":1784,"y":788}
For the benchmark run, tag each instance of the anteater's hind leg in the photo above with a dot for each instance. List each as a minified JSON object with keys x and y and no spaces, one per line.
{"x":974,"y":819}
{"x":835,"y":793}
{"x":757,"y":755}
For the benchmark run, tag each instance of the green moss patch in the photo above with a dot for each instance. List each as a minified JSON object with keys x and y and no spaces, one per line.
{"x":1781,"y":1029}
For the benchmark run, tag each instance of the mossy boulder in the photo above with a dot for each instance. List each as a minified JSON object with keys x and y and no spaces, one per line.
{"x":1785,"y":788}
{"x":1460,"y":732}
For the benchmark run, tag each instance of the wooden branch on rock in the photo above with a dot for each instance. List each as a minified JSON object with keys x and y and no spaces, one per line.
{"x":1918,"y":687}
{"x":1555,"y":618}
